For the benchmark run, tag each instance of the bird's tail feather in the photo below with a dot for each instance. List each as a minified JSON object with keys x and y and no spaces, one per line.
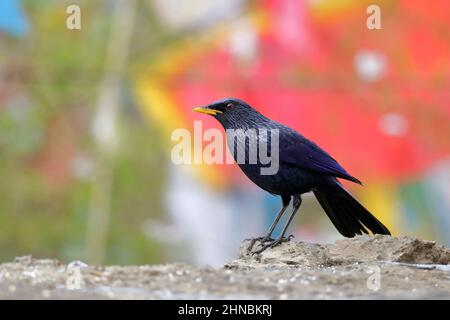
{"x":347,"y":214}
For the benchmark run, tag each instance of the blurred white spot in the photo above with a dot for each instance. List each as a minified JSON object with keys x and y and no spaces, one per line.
{"x":181,"y":15}
{"x":198,"y":280}
{"x":32,"y":274}
{"x":284,"y":296}
{"x":82,"y":167}
{"x":104,"y":122}
{"x":46,"y":293}
{"x":370,"y":66}
{"x":243,"y":41}
{"x":393,"y":124}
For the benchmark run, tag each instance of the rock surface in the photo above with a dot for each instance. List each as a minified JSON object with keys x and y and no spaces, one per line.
{"x":376,"y":267}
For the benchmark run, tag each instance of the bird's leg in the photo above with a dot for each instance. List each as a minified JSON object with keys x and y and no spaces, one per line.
{"x":268,"y":236}
{"x":297,"y":204}
{"x":273,"y":243}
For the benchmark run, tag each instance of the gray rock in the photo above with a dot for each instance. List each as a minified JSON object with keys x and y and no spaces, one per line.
{"x":367,"y":267}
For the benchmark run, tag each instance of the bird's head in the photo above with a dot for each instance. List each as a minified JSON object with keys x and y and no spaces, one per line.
{"x":231,"y":112}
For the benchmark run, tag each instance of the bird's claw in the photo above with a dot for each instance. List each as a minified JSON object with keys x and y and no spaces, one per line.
{"x":272,"y":244}
{"x":261,"y":240}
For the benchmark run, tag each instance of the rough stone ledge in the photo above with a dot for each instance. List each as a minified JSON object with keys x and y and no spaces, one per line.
{"x":365,"y":267}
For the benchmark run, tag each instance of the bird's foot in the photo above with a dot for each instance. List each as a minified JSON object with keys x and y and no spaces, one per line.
{"x":261,"y":240}
{"x":272,"y":244}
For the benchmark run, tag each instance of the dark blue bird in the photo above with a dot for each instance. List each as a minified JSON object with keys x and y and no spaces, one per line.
{"x":302,"y":167}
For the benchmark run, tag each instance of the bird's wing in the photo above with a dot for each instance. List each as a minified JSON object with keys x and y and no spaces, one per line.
{"x":298,"y":151}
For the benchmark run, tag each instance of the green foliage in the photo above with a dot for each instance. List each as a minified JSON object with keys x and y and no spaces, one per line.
{"x":58,"y":72}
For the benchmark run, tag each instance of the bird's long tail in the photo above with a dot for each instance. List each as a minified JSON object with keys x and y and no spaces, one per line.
{"x":346,"y":213}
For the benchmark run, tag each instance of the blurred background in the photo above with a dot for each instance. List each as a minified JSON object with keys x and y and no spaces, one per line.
{"x":86,"y":118}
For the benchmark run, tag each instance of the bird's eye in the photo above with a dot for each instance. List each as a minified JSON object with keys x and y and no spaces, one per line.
{"x":229,"y":105}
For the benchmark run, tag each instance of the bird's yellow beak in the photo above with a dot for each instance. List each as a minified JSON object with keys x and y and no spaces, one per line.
{"x":206,"y":110}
